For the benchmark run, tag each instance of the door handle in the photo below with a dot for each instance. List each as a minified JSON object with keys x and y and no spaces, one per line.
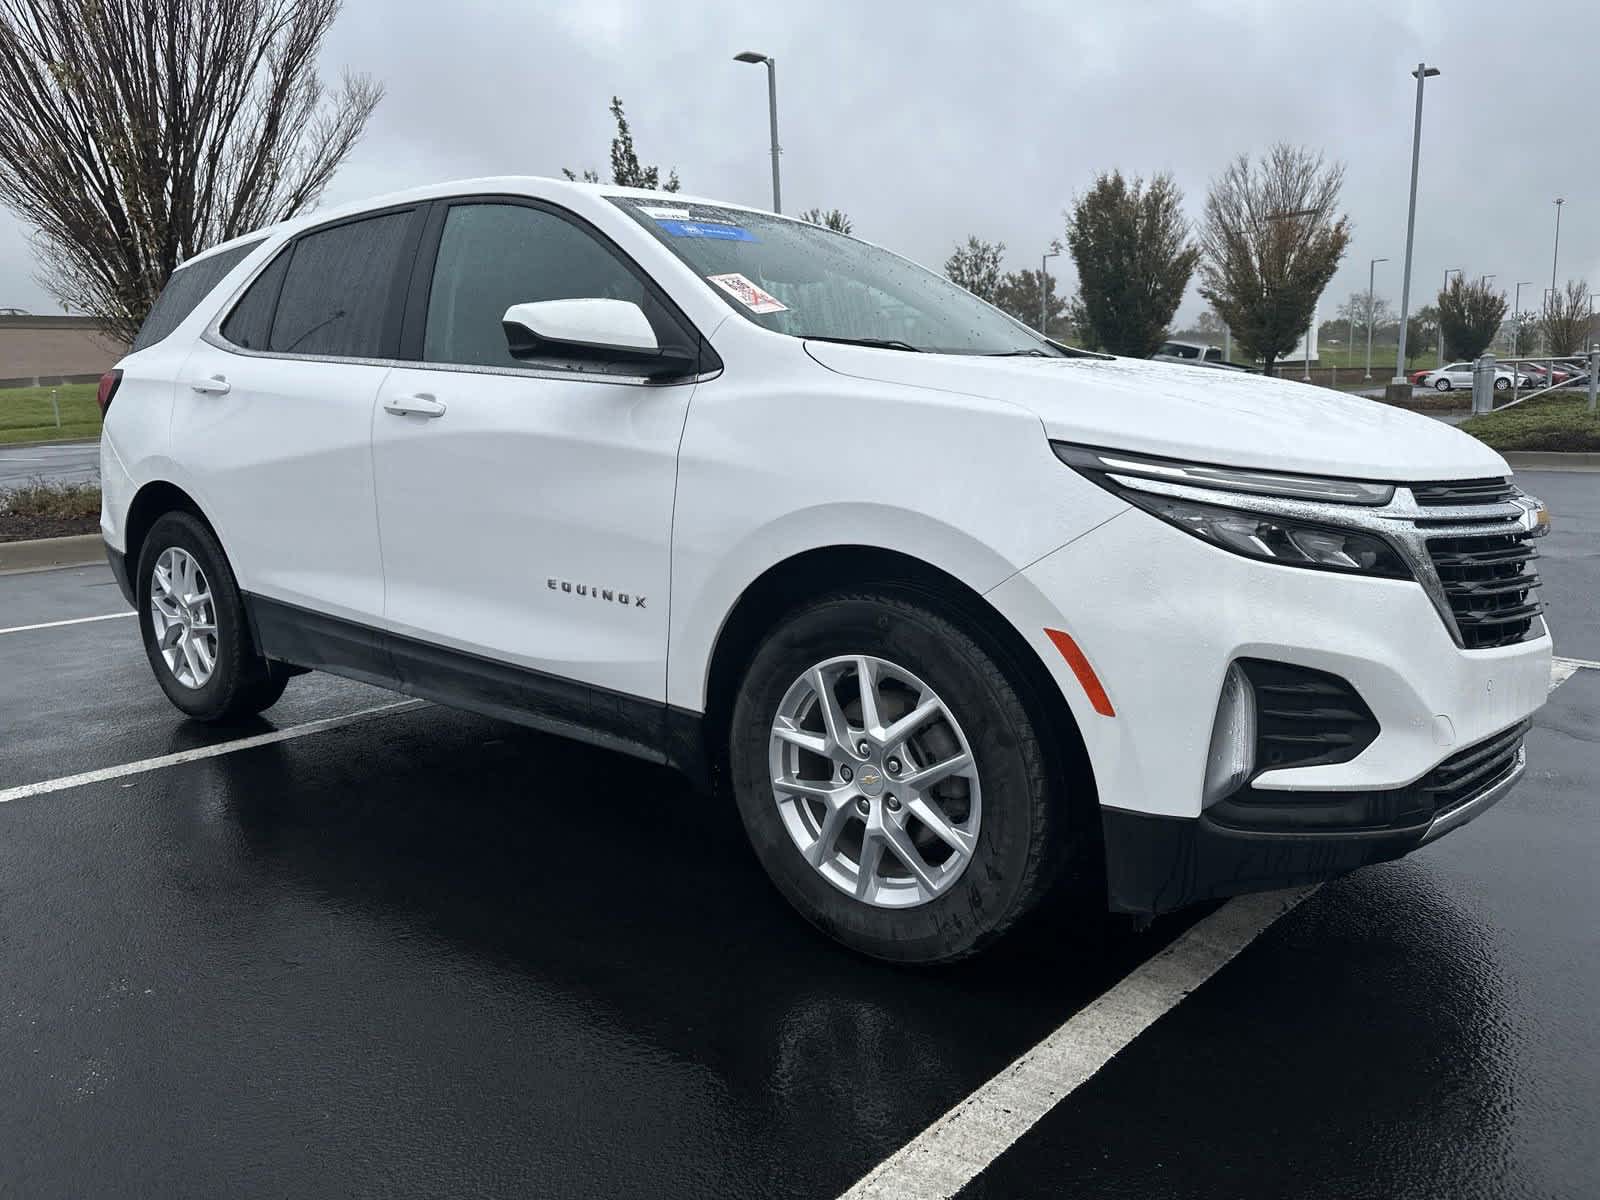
{"x":217,"y":385}
{"x":420,"y":405}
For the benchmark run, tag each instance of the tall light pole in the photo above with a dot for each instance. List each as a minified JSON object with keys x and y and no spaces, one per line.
{"x":1422,"y":73}
{"x":1371,"y":270}
{"x":1556,"y":250}
{"x":1044,"y":291}
{"x":753,"y":56}
{"x":1516,"y":315}
{"x":1448,"y":271}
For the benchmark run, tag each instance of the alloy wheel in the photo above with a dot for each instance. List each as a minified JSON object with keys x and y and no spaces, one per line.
{"x":875,"y":781}
{"x":183,"y":617}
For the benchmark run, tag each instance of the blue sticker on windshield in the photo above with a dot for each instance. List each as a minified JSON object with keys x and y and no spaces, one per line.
{"x":706,"y":229}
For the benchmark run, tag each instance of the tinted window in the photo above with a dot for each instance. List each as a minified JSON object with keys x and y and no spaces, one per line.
{"x":492,"y":256}
{"x":337,"y":288}
{"x":250,"y":323}
{"x":185,"y":289}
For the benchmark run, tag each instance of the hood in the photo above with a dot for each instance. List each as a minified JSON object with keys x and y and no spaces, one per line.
{"x":1228,"y":418}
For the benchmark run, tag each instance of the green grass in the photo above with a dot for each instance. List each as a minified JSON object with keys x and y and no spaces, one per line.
{"x":26,"y":414}
{"x":1552,"y":422}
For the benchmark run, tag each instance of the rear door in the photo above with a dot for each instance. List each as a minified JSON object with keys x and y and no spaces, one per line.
{"x":526,"y":510}
{"x":273,"y":414}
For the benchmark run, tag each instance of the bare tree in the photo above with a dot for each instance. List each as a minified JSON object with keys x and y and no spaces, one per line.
{"x":1355,"y":309}
{"x":1130,"y":243}
{"x":976,"y":267}
{"x":835,"y":219}
{"x":625,"y":168}
{"x":1566,"y":318}
{"x":1469,"y":316}
{"x":1270,"y":243}
{"x":135,"y":133}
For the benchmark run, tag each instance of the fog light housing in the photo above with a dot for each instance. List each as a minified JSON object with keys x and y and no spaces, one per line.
{"x":1231,"y":759}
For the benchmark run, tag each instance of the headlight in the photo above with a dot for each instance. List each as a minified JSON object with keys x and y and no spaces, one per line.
{"x":1164,"y":489}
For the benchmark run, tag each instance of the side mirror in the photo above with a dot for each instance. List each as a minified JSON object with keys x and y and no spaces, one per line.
{"x":592,"y":330}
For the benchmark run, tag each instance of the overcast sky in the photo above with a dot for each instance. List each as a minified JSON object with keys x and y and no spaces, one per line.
{"x":927,"y":121}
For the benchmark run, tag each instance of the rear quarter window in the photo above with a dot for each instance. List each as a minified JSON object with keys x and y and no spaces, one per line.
{"x":187,"y":287}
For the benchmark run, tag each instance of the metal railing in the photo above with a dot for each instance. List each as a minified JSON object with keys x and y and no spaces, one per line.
{"x":1579,"y":371}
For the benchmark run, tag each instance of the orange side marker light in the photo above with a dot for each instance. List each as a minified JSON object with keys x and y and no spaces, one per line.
{"x":1087,"y":679}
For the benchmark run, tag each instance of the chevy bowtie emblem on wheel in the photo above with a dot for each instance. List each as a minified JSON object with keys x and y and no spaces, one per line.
{"x":627,"y":599}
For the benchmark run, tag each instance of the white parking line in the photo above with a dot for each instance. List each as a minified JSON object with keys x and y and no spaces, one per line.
{"x":202,"y":752}
{"x":59,"y":624}
{"x":946,"y":1156}
{"x":951,"y":1152}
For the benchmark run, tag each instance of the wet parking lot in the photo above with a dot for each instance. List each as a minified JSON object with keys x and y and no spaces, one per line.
{"x":365,"y":946}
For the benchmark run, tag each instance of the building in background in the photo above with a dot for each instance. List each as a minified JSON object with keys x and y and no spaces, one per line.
{"x":54,"y":349}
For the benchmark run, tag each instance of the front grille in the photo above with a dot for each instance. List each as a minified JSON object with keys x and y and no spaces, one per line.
{"x":1490,"y":583}
{"x":1464,"y":491}
{"x":1462,"y":776}
{"x":1483,"y":557}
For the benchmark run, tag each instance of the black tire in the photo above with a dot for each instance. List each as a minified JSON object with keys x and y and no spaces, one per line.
{"x":1023,"y":835}
{"x":1502,"y":385}
{"x":1441,"y":385}
{"x":242,"y":683}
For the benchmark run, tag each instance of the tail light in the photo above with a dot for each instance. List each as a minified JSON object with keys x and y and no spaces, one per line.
{"x":109,"y":382}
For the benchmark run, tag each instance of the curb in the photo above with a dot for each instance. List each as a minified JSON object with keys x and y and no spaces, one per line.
{"x":1551,"y":460}
{"x":79,"y":550}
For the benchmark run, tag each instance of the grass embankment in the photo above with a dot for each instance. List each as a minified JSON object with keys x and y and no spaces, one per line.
{"x":1553,"y":422}
{"x":27,"y":416}
{"x":41,"y":510}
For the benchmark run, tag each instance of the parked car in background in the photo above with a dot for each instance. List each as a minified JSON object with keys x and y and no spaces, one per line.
{"x":960,"y":620}
{"x":1195,"y":354}
{"x":1459,"y":375}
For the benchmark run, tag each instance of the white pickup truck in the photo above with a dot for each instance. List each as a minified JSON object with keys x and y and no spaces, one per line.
{"x":1195,"y":354}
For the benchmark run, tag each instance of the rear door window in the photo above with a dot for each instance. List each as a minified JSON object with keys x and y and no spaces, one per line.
{"x":187,"y":287}
{"x":250,"y":323}
{"x":337,"y":298}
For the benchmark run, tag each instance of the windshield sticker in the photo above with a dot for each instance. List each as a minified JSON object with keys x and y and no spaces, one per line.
{"x":667,"y":214}
{"x":748,"y":294}
{"x":706,"y":229}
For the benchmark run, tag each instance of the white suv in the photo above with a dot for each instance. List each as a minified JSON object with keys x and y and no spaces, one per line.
{"x":959,"y":616}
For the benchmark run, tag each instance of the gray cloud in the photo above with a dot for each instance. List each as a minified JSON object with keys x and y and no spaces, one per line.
{"x":928,"y":121}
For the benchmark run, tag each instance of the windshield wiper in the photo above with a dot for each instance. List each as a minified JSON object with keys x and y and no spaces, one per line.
{"x":880,"y":343}
{"x":1029,"y":353}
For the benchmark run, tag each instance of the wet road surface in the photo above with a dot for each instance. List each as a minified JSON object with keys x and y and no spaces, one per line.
{"x":53,"y":462}
{"x":430,"y":954}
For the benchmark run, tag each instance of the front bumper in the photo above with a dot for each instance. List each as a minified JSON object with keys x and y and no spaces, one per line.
{"x":1160,"y":616}
{"x":1156,"y":864}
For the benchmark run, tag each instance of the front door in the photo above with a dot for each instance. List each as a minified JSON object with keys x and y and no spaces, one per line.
{"x":526,"y":511}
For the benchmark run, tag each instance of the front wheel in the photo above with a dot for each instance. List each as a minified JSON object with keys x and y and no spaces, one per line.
{"x":892,"y":782}
{"x":1442,"y":385}
{"x":1502,"y":385}
{"x":192,"y":618}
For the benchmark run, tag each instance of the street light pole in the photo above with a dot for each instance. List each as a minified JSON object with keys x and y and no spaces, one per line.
{"x":1556,"y":250}
{"x":1371,"y":269}
{"x":1422,"y":73}
{"x":1044,"y":291}
{"x":1448,"y":271}
{"x":1516,"y":316}
{"x":754,"y":56}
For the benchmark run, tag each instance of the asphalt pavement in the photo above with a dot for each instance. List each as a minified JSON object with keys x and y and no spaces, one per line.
{"x":403,"y":951}
{"x":53,"y":462}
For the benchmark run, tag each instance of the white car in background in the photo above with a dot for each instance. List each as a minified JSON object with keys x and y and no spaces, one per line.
{"x":962,"y":620}
{"x":1459,"y":375}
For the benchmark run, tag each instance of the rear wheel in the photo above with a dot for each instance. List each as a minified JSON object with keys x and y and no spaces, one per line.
{"x":192,"y":618}
{"x":892,"y":782}
{"x":1442,"y":385}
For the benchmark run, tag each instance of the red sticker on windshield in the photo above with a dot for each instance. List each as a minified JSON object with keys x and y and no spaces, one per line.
{"x":748,"y":294}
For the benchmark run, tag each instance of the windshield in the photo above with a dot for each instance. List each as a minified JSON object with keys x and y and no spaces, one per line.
{"x":806,"y":281}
